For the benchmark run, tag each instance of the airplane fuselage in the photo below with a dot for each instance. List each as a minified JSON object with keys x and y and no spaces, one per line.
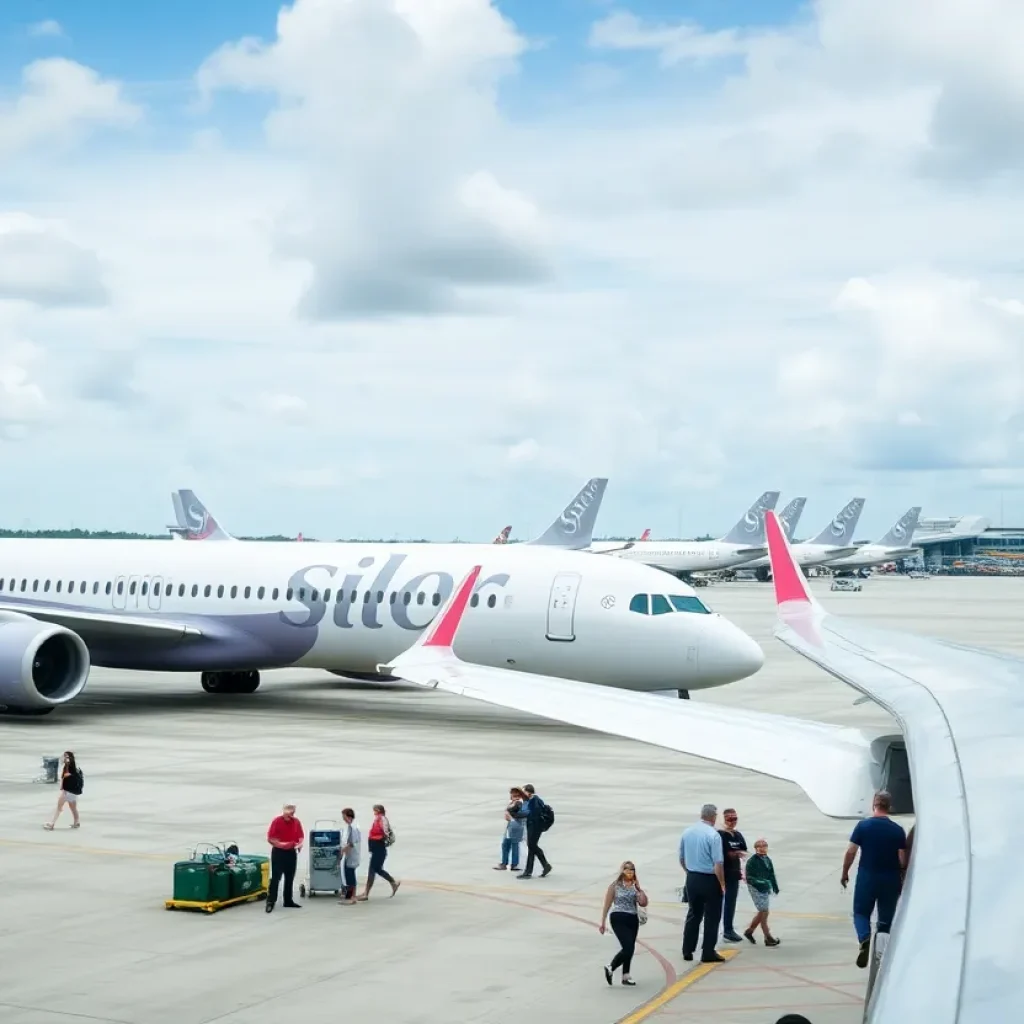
{"x":685,"y":556}
{"x":871,"y":554}
{"x":352,"y":607}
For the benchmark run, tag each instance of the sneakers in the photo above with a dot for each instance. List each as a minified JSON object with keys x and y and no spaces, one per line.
{"x":864,"y":953}
{"x":749,"y":936}
{"x":732,"y":937}
{"x":713,"y":958}
{"x":608,"y":975}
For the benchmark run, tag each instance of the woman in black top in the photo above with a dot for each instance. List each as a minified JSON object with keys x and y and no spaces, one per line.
{"x":70,"y":790}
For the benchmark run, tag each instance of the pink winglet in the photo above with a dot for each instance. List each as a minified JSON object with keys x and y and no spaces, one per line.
{"x":790,"y":584}
{"x":443,"y":629}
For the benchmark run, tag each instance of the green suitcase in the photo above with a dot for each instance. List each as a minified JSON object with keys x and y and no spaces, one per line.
{"x":220,"y":883}
{"x":192,"y":881}
{"x":245,"y":878}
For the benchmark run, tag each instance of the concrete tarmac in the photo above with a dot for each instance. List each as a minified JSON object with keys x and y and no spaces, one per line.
{"x":84,"y":934}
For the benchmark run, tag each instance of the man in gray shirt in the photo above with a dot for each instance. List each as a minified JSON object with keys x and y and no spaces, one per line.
{"x":701,"y":857}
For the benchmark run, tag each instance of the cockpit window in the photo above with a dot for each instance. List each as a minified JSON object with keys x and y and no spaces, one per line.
{"x":660,"y":605}
{"x":688,"y":604}
{"x":641,"y":604}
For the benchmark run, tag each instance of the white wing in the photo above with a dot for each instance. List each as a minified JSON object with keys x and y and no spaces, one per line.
{"x":951,"y":957}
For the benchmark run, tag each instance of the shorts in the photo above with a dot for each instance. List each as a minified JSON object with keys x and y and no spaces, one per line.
{"x":761,"y":900}
{"x":71,"y":798}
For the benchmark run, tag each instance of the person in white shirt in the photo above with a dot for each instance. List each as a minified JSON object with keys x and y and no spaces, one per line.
{"x":351,"y":844}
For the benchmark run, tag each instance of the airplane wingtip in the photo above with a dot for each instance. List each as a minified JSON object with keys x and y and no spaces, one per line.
{"x":441,"y":633}
{"x":790,"y":585}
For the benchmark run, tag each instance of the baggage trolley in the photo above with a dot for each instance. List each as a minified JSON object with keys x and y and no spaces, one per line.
{"x":324,"y":873}
{"x":209,"y":872}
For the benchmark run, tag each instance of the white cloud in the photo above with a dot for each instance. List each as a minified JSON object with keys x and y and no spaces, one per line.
{"x":40,"y":264}
{"x":753,"y":271}
{"x":21,"y":399}
{"x":61,"y":101}
{"x":389,"y":104}
{"x":46,"y":29}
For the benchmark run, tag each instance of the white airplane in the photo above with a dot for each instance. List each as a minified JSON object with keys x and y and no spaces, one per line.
{"x":949,"y":958}
{"x":742,"y":543}
{"x":896,"y":543}
{"x":231,"y":610}
{"x":835,"y":541}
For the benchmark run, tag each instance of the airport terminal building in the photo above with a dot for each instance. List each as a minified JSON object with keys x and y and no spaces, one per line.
{"x":952,"y":541}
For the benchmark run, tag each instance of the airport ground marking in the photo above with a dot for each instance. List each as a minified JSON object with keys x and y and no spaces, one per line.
{"x":667,"y":994}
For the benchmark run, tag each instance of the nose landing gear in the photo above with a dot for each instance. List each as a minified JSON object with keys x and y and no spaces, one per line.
{"x":683,"y":694}
{"x":230,"y":682}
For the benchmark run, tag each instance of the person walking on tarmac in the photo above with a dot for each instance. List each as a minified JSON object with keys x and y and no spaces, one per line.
{"x":378,"y":839}
{"x":883,"y":859}
{"x":701,"y":857}
{"x":734,"y":849}
{"x":536,"y":815}
{"x":285,"y":836}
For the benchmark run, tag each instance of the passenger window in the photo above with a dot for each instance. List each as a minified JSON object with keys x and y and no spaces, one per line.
{"x":60,"y":583}
{"x":354,"y":597}
{"x":366,"y":598}
{"x":260,"y":592}
{"x":492,"y":601}
{"x":641,"y":604}
{"x":290,"y":592}
{"x":688,"y":604}
{"x":1,"y":584}
{"x":406,"y":596}
{"x":474,"y":600}
{"x":71,"y":587}
{"x":131,"y":588}
{"x":394,"y":596}
{"x":195,"y":589}
{"x":327,"y":595}
{"x":207,"y":590}
{"x":81,"y":587}
{"x":302,"y":593}
{"x":107,"y":588}
{"x":246,"y":592}
{"x":46,"y":586}
{"x":234,"y":592}
{"x":660,"y":605}
{"x":35,"y":586}
{"x":156,"y":589}
{"x":275,"y":594}
{"x":380,"y":597}
{"x":313,"y":595}
{"x":145,"y":588}
{"x":220,"y":590}
{"x":421,"y":597}
{"x":24,"y":584}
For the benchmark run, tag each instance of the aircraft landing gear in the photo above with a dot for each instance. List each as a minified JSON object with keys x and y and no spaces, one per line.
{"x":230,"y":682}
{"x":683,"y":694}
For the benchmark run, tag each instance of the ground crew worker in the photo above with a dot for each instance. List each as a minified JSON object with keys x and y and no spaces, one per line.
{"x":883,"y":859}
{"x":285,"y":836}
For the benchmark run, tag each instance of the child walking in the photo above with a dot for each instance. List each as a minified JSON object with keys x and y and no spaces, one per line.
{"x":761,"y":883}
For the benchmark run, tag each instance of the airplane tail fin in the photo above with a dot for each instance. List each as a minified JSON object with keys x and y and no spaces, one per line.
{"x":574,"y":527}
{"x":195,"y":520}
{"x":646,"y":535}
{"x":749,"y":531}
{"x":790,"y":516}
{"x":901,"y":532}
{"x":839,"y":532}
{"x":502,"y":537}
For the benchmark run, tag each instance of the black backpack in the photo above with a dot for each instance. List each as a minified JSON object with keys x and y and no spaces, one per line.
{"x":75,"y":783}
{"x":546,"y":817}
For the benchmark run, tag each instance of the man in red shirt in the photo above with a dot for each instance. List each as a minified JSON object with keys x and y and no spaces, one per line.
{"x":285,"y":836}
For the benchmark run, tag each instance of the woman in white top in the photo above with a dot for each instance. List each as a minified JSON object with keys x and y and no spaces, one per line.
{"x":624,"y":898}
{"x":351,"y":842}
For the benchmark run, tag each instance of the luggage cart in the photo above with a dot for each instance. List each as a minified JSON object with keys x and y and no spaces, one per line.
{"x":324,"y":874}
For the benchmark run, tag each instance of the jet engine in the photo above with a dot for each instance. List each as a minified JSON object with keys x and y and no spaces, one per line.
{"x":41,"y":665}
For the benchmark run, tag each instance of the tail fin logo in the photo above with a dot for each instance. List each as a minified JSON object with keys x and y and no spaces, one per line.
{"x":839,"y":524}
{"x":571,"y":516}
{"x":502,"y":537}
{"x":755,"y":514}
{"x":199,"y":525}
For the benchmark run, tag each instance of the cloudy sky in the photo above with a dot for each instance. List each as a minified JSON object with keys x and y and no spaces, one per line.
{"x":421,"y":267}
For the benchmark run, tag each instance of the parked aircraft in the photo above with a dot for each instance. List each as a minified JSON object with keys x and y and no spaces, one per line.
{"x":834,"y":541}
{"x":743,"y":542}
{"x":231,"y":610}
{"x":895,"y":544}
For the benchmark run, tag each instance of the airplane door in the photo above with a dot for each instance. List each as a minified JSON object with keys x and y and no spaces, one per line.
{"x":562,"y":606}
{"x":119,"y":596}
{"x":156,"y":586}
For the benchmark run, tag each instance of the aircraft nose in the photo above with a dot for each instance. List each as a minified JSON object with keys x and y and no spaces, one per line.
{"x":727,"y":654}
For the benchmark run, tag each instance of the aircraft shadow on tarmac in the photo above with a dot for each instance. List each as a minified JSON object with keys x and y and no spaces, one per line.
{"x":322,"y":699}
